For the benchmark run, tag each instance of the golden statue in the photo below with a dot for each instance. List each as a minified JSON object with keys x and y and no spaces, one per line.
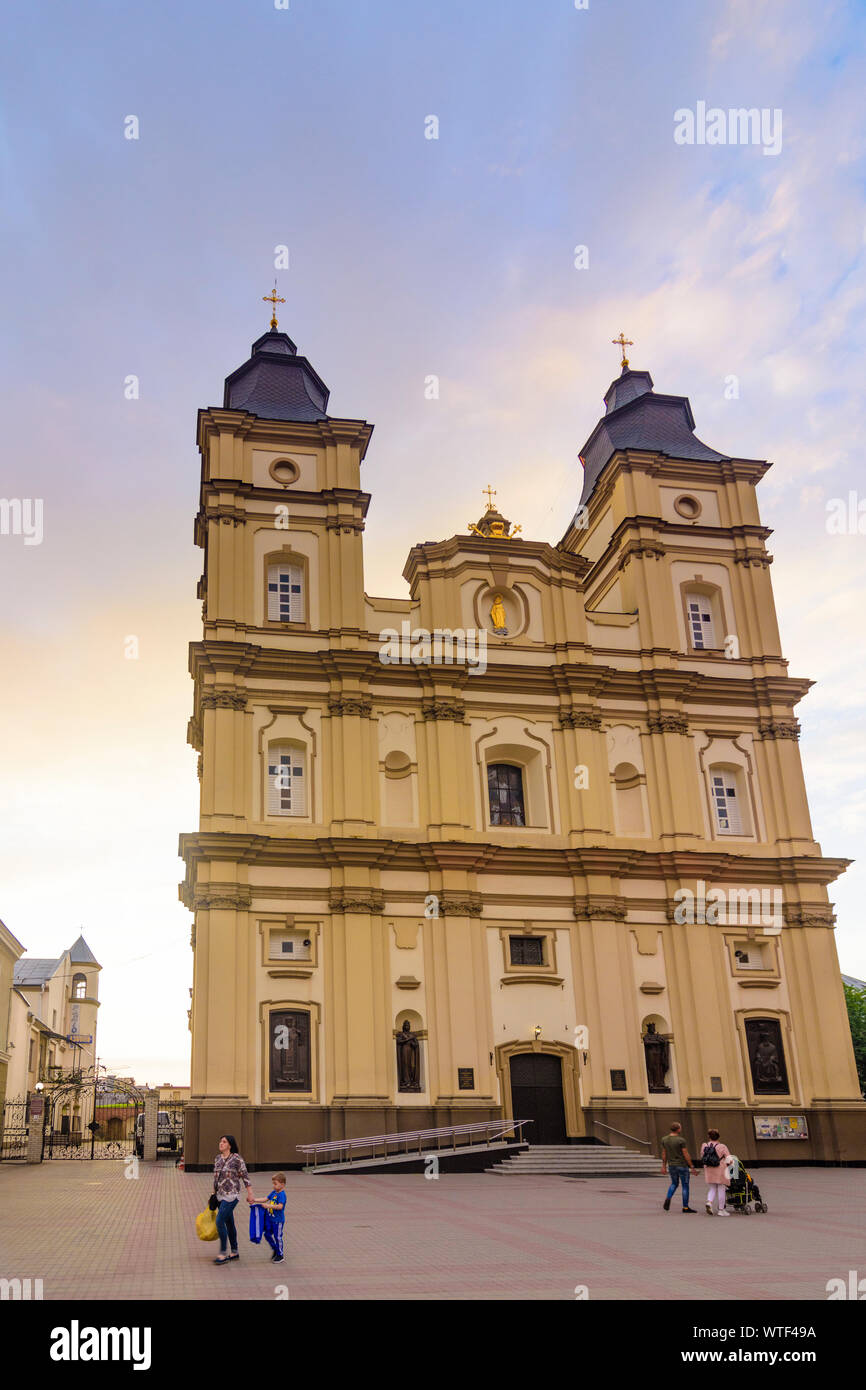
{"x":497,"y":615}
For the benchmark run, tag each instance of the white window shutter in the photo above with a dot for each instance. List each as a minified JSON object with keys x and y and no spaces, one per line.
{"x":286,"y":594}
{"x":726,"y":803}
{"x":287,"y":780}
{"x":702,"y":631}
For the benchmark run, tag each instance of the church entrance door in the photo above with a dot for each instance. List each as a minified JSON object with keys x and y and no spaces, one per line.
{"x":536,"y":1094}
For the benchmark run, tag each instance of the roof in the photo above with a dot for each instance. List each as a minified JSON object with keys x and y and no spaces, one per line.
{"x":637,"y":418}
{"x":276,"y":384}
{"x":11,"y":937}
{"x":81,"y":954}
{"x":33,"y":970}
{"x":855,"y":984}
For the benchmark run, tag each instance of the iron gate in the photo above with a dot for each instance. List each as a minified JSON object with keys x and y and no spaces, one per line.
{"x":14,"y":1127}
{"x":91,"y":1121}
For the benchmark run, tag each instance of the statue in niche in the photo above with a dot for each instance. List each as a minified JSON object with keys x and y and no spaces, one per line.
{"x":767,"y":1068}
{"x":657,"y":1053}
{"x":408,"y":1059}
{"x":766,"y":1056}
{"x":498,"y":618}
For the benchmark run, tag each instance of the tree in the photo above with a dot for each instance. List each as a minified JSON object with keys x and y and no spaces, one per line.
{"x":856,"y":1001}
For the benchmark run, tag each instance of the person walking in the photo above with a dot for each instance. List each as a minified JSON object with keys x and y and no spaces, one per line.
{"x":229,"y":1174}
{"x":717,"y":1172}
{"x":675,"y":1157}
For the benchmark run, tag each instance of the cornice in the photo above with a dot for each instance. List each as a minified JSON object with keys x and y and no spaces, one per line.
{"x":432,"y":557}
{"x":558,"y":679}
{"x":484,"y":857}
{"x":285,"y":433}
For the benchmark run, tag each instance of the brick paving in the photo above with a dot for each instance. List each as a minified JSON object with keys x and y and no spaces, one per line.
{"x":89,"y":1232}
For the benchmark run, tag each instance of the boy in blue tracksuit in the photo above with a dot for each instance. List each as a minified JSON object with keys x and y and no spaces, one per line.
{"x":275,"y":1216}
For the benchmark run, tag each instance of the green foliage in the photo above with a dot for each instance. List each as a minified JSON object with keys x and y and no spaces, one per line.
{"x":856,"y":1001}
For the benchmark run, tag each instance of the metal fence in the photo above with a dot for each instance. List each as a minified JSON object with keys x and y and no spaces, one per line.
{"x":14,"y":1127}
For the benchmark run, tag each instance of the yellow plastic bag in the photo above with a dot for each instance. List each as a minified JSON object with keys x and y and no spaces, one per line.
{"x":205,"y":1225}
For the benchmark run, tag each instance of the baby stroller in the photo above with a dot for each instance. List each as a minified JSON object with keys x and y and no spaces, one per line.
{"x":742,"y":1192}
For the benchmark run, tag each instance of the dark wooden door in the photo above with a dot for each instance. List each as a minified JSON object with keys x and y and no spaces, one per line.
{"x":536,"y":1094}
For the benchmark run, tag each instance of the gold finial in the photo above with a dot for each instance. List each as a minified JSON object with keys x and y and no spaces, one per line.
{"x":623,"y":342}
{"x":492,"y":523}
{"x":273,"y":299}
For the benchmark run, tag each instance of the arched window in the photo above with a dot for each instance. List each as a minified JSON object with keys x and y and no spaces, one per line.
{"x":286,"y":593}
{"x":287,"y":780}
{"x":505,"y":792}
{"x":79,"y":986}
{"x":728,"y":797}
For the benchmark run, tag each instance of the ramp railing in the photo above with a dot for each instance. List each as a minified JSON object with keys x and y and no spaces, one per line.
{"x":413,"y":1142}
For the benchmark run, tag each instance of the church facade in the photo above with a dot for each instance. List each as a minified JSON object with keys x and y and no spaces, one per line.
{"x":532,"y":841}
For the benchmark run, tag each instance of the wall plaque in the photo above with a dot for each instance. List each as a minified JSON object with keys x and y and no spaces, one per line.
{"x":466,"y":1078}
{"x":617,"y":1080}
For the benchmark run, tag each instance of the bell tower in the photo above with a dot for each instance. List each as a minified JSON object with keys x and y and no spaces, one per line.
{"x":280,"y":522}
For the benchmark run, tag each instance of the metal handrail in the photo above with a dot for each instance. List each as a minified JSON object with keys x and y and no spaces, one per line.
{"x":623,"y":1135}
{"x":487,"y":1131}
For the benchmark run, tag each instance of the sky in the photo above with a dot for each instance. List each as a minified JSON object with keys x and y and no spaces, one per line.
{"x":409,"y":257}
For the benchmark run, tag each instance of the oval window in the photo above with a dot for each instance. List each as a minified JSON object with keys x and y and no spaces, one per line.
{"x":688,"y":507}
{"x":284,"y":471}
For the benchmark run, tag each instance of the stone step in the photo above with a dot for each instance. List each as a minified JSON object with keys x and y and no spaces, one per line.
{"x":578,"y":1160}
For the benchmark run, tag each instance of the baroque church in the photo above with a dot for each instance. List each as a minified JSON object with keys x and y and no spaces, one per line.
{"x":563,"y":872}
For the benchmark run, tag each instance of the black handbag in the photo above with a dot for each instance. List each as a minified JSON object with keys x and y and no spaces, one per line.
{"x":213,"y":1200}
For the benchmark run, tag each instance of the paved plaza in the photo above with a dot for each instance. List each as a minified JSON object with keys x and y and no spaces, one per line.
{"x":89,"y":1232}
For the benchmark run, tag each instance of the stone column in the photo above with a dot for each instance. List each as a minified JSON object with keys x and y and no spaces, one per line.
{"x":151,"y":1120}
{"x":35,"y":1126}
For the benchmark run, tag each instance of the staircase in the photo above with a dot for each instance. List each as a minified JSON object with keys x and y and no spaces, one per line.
{"x":579,"y":1161}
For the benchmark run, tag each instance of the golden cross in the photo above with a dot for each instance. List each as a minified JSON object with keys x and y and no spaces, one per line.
{"x":490,"y":493}
{"x":273,"y":299}
{"x":623,"y":342}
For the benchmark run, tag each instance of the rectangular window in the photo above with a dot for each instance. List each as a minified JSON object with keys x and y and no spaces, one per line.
{"x":289,"y":1050}
{"x":701,"y":624}
{"x":505,"y":793}
{"x":726,"y":805}
{"x":287,"y":782}
{"x":285,"y":594}
{"x":526,"y":950}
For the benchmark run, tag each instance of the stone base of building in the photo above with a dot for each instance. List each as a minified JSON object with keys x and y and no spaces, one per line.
{"x":836,"y":1130}
{"x":267,"y":1135}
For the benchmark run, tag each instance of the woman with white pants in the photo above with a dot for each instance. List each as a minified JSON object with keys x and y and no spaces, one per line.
{"x":718,"y":1176}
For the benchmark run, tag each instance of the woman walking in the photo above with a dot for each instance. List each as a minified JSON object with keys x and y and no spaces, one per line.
{"x":717,"y":1173}
{"x":229,"y":1172}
